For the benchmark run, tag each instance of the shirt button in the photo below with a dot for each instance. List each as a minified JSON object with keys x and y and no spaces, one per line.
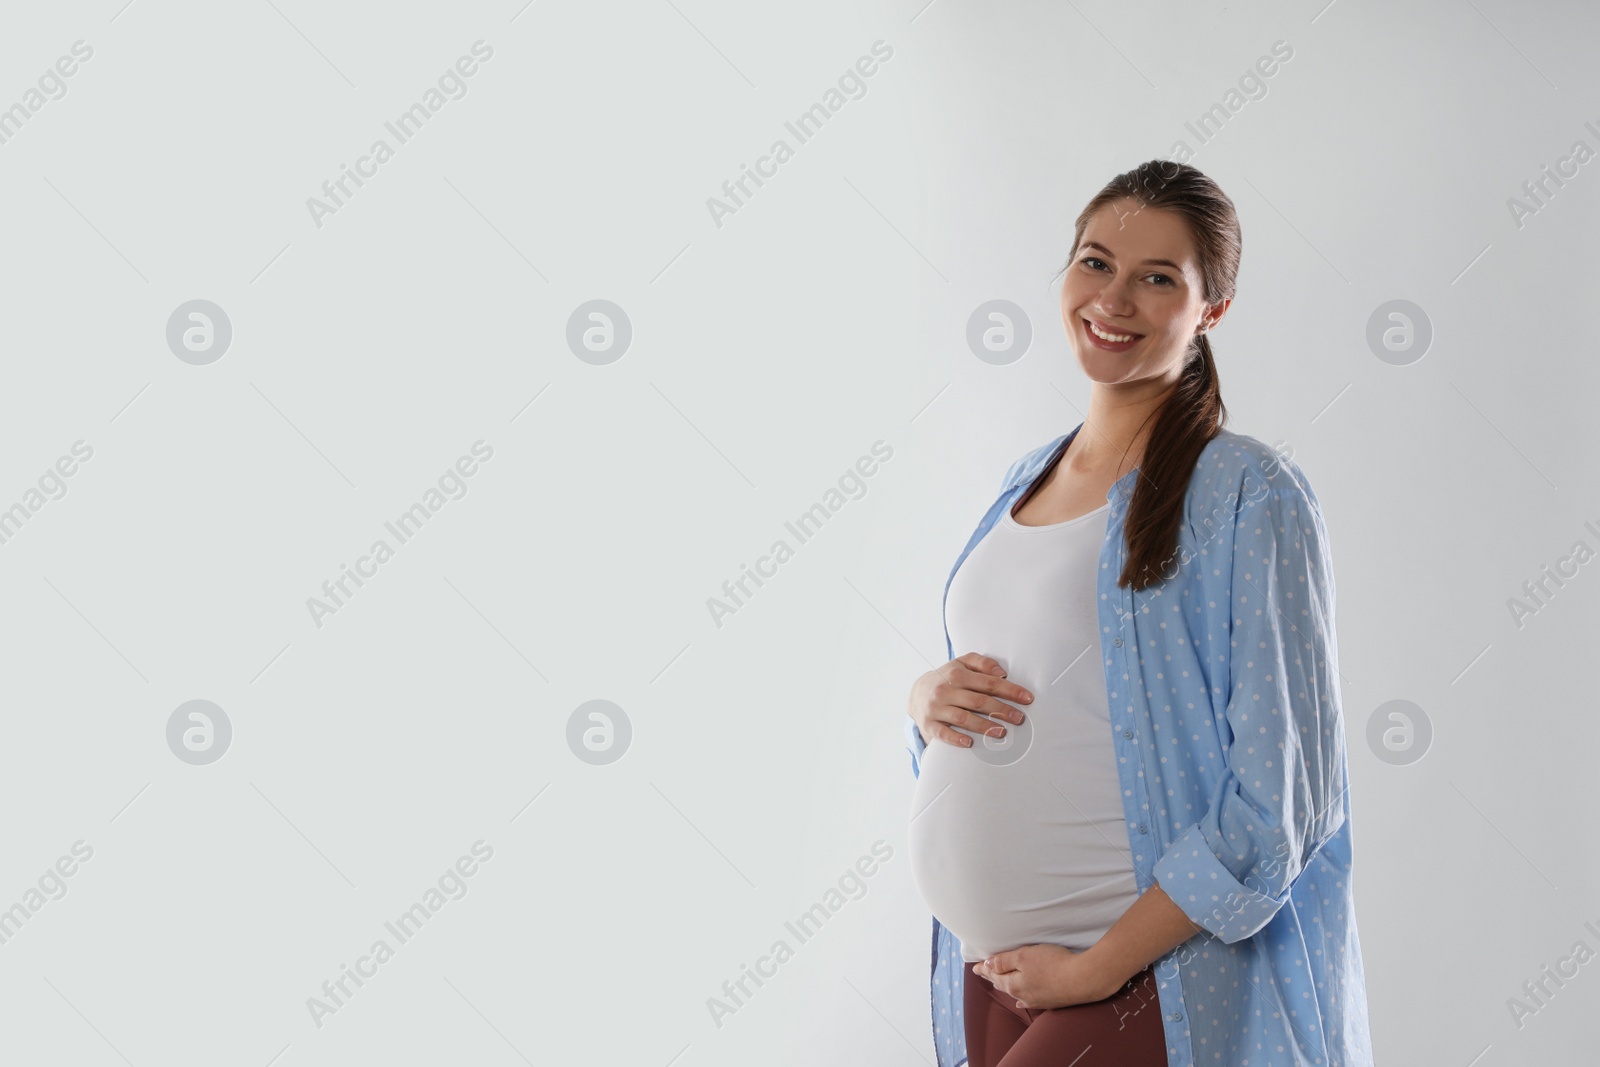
{"x":1127,"y":733}
{"x":1176,"y":1016}
{"x":1117,"y":641}
{"x":1142,"y":828}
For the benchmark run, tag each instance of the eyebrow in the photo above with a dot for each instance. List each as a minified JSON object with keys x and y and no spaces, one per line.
{"x":1148,"y":262}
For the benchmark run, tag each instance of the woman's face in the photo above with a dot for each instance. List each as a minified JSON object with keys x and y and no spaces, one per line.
{"x":1134,"y":275}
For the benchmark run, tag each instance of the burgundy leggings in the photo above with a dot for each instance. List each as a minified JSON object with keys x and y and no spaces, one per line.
{"x":1124,"y":1030}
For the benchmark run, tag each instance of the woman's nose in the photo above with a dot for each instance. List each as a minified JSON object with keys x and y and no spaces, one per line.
{"x":1113,"y":302}
{"x":1114,"y":298}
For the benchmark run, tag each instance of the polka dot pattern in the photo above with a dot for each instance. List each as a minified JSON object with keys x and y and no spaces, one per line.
{"x":1235,"y":780}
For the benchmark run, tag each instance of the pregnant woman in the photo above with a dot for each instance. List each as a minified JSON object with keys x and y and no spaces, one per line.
{"x":1131,"y":819}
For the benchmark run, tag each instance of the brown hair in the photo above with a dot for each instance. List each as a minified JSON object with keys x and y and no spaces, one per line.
{"x":1193,"y":413}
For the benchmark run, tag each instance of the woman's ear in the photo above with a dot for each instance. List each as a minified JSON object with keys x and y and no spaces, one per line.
{"x":1213,"y":315}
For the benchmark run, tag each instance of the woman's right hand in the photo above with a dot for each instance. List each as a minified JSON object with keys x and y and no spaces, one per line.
{"x":962,"y":693}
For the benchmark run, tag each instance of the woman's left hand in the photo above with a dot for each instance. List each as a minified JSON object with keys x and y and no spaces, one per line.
{"x":1047,"y":976}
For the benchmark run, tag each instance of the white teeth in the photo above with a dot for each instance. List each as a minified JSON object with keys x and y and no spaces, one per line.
{"x":1114,"y":338}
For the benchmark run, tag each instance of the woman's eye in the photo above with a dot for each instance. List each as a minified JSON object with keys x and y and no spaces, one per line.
{"x":1095,"y":263}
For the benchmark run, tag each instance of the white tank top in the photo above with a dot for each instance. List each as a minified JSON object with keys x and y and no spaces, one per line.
{"x":1022,"y":841}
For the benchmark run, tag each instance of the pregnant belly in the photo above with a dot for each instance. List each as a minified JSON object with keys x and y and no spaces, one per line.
{"x":1005,"y":858}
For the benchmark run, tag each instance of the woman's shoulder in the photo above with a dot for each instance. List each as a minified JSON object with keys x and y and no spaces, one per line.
{"x":1239,"y":463}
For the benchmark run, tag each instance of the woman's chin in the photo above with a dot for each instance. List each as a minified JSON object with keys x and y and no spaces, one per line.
{"x":1108,"y":368}
{"x":1111,"y":368}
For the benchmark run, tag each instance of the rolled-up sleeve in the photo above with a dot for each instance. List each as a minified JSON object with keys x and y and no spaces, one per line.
{"x":1278,"y":798}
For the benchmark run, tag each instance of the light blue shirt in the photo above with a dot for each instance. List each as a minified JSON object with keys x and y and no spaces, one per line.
{"x":1223,"y":685}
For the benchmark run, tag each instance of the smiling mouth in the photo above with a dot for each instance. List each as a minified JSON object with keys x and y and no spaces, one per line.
{"x":1110,"y":338}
